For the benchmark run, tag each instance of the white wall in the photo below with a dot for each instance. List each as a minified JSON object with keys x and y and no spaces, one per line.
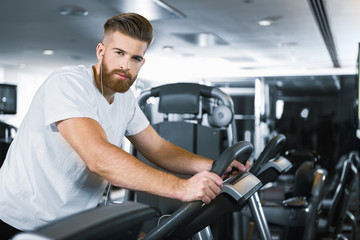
{"x":27,"y":81}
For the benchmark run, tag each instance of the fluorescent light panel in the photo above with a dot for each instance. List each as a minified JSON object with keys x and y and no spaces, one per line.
{"x":151,"y":9}
{"x":204,"y":39}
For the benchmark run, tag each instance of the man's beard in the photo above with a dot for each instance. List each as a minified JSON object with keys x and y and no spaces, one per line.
{"x":111,"y":81}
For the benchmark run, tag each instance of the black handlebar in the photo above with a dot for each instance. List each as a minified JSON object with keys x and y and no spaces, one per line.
{"x":270,"y":151}
{"x":188,"y":210}
{"x":240,"y":151}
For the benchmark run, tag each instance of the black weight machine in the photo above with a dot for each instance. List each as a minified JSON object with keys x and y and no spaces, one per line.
{"x":195,"y":117}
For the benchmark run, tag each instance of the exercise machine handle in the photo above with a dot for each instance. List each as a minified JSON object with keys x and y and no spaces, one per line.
{"x":189,"y":210}
{"x":270,"y":151}
{"x":240,"y":151}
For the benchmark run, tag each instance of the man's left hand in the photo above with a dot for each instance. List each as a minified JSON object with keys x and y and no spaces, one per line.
{"x":235,"y":168}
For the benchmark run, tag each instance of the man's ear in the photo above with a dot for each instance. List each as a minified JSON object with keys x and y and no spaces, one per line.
{"x":100,"y":51}
{"x":143,"y":62}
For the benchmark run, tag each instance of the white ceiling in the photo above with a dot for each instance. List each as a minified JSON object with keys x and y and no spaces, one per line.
{"x":292,"y":45}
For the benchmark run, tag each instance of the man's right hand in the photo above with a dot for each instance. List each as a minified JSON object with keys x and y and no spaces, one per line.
{"x":203,"y":186}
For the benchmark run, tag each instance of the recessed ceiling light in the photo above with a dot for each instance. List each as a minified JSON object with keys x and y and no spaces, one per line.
{"x":168,"y":48}
{"x":48,"y":52}
{"x":268,"y":21}
{"x":73,"y":11}
{"x":265,"y":22}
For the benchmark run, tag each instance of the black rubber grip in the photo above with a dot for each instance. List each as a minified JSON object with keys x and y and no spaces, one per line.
{"x":270,"y":151}
{"x":240,"y":151}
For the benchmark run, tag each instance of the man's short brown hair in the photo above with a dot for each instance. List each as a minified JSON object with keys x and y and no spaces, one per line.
{"x":132,"y":25}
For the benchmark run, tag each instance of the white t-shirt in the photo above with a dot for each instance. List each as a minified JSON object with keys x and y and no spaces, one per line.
{"x":43,"y":178}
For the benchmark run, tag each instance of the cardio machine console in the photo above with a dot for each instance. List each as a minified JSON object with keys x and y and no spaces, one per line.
{"x":241,"y":186}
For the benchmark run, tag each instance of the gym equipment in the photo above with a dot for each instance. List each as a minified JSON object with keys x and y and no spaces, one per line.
{"x":224,"y":203}
{"x":267,"y":168}
{"x":191,"y":103}
{"x":195,"y":117}
{"x":184,"y":98}
{"x":192,"y":217}
{"x":335,"y":210}
{"x":113,"y":222}
{"x":298,"y":215}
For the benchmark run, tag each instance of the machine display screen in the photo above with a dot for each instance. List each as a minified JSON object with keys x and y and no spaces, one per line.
{"x":8,"y":98}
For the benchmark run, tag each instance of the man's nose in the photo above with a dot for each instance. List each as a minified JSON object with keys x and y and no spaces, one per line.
{"x":125,"y":64}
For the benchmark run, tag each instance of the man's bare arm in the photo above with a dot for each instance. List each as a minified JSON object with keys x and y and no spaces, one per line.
{"x":120,"y":168}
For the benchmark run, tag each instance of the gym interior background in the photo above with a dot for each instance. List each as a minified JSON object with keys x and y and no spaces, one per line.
{"x":288,"y":70}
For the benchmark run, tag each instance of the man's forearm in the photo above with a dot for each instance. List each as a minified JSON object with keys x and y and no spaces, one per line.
{"x":178,"y":160}
{"x":124,"y":170}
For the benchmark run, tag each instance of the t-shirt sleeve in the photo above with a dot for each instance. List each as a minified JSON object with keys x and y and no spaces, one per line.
{"x":66,"y":96}
{"x":138,"y":122}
